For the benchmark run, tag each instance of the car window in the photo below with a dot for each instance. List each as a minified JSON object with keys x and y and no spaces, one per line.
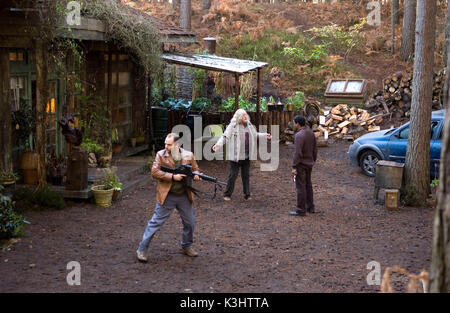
{"x":404,"y":133}
{"x":434,"y":128}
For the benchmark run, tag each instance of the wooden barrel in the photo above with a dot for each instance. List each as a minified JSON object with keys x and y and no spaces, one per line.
{"x":29,"y":165}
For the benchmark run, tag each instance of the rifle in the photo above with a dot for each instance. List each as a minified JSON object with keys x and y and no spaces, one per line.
{"x":186,"y":169}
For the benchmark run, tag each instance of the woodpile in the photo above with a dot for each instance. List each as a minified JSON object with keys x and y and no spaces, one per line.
{"x":341,"y":121}
{"x":395,"y":98}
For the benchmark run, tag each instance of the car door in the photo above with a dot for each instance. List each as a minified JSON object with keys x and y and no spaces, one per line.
{"x":398,"y":143}
{"x":435,"y":147}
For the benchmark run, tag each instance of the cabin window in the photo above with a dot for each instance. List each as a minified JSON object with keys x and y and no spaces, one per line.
{"x":121,"y":103}
{"x":17,"y":56}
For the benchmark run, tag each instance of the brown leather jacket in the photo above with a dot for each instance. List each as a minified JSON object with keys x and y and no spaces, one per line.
{"x":165,"y":179}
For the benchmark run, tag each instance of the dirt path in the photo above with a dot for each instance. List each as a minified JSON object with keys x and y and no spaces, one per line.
{"x":244,"y":246}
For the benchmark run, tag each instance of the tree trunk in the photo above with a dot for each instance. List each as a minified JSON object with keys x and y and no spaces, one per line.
{"x":440,"y":260}
{"x":396,"y":7}
{"x":185,"y":14}
{"x":417,"y":167}
{"x":408,"y":30}
{"x":446,"y":56}
{"x":393,"y":26}
{"x":41,"y":100}
{"x":447,"y":34}
{"x":206,"y":4}
{"x":5,"y":113}
{"x":176,"y":4}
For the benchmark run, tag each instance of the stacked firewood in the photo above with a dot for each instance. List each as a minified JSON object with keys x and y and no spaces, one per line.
{"x":396,"y":95}
{"x":341,"y":121}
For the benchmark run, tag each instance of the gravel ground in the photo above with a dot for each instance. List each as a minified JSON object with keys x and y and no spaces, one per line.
{"x":244,"y":246}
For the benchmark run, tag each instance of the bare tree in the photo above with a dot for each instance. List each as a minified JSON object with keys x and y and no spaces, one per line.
{"x":417,"y":167}
{"x":447,"y":34}
{"x":185,"y":14}
{"x":440,"y":261}
{"x":206,"y":4}
{"x":176,"y":4}
{"x":396,"y":7}
{"x":408,"y":30}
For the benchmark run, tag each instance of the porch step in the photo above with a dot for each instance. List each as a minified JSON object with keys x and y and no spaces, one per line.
{"x":131,"y":173}
{"x":138,"y":181}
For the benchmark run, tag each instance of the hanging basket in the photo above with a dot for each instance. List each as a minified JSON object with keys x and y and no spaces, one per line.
{"x":103,"y":198}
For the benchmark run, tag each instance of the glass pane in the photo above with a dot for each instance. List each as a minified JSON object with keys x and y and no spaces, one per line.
{"x":19,"y":56}
{"x":337,"y":86}
{"x":13,"y":56}
{"x":123,"y":79}
{"x":404,"y":133}
{"x":123,"y":57}
{"x":353,"y":87}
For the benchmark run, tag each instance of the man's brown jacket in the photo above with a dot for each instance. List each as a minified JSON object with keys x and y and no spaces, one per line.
{"x":165,"y":179}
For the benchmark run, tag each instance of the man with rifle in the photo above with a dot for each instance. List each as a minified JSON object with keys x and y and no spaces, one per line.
{"x":172,"y":193}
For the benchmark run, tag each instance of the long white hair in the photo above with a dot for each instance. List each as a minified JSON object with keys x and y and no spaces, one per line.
{"x":237,"y":117}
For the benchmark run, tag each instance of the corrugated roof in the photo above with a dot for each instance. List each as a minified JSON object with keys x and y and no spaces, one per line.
{"x":214,"y":63}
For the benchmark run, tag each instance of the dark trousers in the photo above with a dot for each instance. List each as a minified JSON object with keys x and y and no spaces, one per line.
{"x":305,"y":201}
{"x":245,"y":175}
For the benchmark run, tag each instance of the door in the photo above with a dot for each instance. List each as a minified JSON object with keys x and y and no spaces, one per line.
{"x":435,"y":147}
{"x":398,"y":143}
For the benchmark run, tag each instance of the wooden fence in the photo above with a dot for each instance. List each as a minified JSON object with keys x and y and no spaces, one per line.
{"x":281,"y":118}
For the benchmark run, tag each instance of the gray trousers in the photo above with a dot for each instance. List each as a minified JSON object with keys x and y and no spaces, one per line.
{"x":163,"y":212}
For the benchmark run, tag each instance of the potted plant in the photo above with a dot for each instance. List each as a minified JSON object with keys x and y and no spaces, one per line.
{"x":117,"y":145}
{"x":280,"y":106}
{"x":8,"y":178}
{"x":104,"y":188}
{"x":271,"y":106}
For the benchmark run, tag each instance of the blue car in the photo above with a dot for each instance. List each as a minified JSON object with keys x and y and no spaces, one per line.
{"x":390,"y":144}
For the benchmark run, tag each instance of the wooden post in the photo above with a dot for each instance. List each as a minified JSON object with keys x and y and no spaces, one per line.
{"x":41,"y":100}
{"x":149,"y":107}
{"x":5,"y":113}
{"x":258,"y":99}
{"x":236,"y":92}
{"x":109,"y":102}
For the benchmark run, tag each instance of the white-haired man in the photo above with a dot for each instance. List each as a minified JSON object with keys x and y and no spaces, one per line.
{"x":241,"y":138}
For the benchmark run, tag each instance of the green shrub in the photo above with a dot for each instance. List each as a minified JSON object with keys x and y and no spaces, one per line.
{"x":176,"y":104}
{"x":312,"y":54}
{"x":92,"y":147}
{"x":11,"y":223}
{"x":110,"y":180}
{"x":41,"y":199}
{"x":338,"y":39}
{"x":199,"y":103}
{"x":297,"y":100}
{"x":228,"y":105}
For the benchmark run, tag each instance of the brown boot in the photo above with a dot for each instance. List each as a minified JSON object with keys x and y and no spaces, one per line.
{"x":189,"y":252}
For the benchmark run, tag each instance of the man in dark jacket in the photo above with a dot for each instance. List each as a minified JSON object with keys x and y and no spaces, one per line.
{"x":304,"y":158}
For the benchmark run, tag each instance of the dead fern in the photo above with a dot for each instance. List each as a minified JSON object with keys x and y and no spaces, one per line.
{"x":416,"y":284}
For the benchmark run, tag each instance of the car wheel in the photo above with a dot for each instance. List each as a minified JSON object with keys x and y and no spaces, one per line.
{"x":368,"y":161}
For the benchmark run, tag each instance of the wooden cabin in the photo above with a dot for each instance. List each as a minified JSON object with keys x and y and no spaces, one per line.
{"x":110,"y":79}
